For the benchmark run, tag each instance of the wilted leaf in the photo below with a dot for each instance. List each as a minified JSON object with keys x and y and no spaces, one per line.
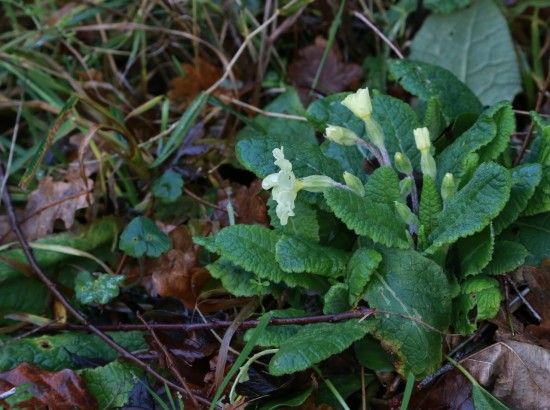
{"x":100,"y":289}
{"x":142,"y":237}
{"x":335,"y":75}
{"x":62,"y":389}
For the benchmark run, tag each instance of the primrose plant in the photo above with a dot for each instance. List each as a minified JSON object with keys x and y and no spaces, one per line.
{"x":413,"y":211}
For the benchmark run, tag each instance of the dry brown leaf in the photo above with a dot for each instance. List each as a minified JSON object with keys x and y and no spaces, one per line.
{"x":177,"y":273}
{"x":335,"y":76}
{"x":199,"y":77}
{"x":516,"y":373}
{"x":55,"y":390}
{"x":248,"y":204}
{"x":539,"y":297}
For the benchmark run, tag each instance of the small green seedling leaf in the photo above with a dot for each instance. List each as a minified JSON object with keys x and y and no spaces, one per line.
{"x":168,"y":187}
{"x":101,"y":289}
{"x":143,"y":238}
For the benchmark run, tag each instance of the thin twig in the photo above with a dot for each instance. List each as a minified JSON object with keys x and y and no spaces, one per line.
{"x":203,"y":201}
{"x":79,"y":316}
{"x":526,"y":302}
{"x":12,"y":146}
{"x":379,"y":33}
{"x":255,"y":109}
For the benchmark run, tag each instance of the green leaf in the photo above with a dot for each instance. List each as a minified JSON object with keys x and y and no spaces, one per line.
{"x":427,"y":81}
{"x":252,"y":247}
{"x":361,"y":266}
{"x":111,"y":384}
{"x":473,"y":207}
{"x":479,"y":299}
{"x":371,"y":355}
{"x":101,"y":289}
{"x":185,"y":123}
{"x":304,"y":223}
{"x":483,"y":400}
{"x":293,"y":400}
{"x":413,"y":295}
{"x":101,"y":232}
{"x":23,"y":295}
{"x":168,"y":187}
{"x":295,"y":254}
{"x":275,"y":336}
{"x":143,"y":238}
{"x":315,"y":343}
{"x":465,"y":43}
{"x":525,"y":179}
{"x":534,"y":234}
{"x":329,"y":111}
{"x":336,"y":299}
{"x":488,"y":137}
{"x":238,"y":281}
{"x":52,"y":352}
{"x":430,"y":205}
{"x":349,"y":158}
{"x":434,"y":119}
{"x":446,"y":6}
{"x":507,"y":256}
{"x":540,"y":201}
{"x":475,"y":252}
{"x":373,"y":215}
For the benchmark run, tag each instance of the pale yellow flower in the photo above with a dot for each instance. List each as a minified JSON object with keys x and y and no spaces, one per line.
{"x":359,"y":103}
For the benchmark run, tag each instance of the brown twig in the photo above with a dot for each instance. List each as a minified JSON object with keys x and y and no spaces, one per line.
{"x":79,"y":316}
{"x":204,"y":201}
{"x":170,"y":361}
{"x":379,"y":33}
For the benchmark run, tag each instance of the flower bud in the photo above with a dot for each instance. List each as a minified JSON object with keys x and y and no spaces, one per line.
{"x":359,"y":103}
{"x":354,"y":183}
{"x":375,"y":133}
{"x":405,"y":186}
{"x":316,"y":183}
{"x":341,"y":135}
{"x":406,"y":214}
{"x":422,"y":139}
{"x":427,"y":164}
{"x":402,"y":163}
{"x":448,"y":186}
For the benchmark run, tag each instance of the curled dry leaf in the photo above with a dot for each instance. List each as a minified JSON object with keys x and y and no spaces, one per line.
{"x":55,"y":390}
{"x":335,"y":75}
{"x":177,"y":272}
{"x":199,"y":77}
{"x":52,"y":200}
{"x":247,"y":202}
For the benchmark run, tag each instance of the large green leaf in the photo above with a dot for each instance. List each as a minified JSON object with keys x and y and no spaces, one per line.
{"x":446,"y":6}
{"x":540,"y":201}
{"x":361,"y":266}
{"x":475,"y":252}
{"x":23,"y":295}
{"x":373,"y":215}
{"x":430,"y":205}
{"x":54,"y":352}
{"x":473,"y":207}
{"x":430,"y":81}
{"x":252,"y":247}
{"x":507,"y":256}
{"x":525,"y":179}
{"x":336,"y":299}
{"x":412,"y":294}
{"x":13,"y":261}
{"x":488,"y":137}
{"x":238,"y":281}
{"x":534,"y":234}
{"x":295,"y":254}
{"x":275,"y":336}
{"x":111,"y":384}
{"x":350,"y":158}
{"x":304,"y":223}
{"x":315,"y":343}
{"x":474,"y":44}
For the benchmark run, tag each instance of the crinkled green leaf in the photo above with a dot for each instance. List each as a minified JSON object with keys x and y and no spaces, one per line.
{"x":534,"y":234}
{"x":412,"y":294}
{"x":315,"y":343}
{"x":142,"y":237}
{"x":238,"y":281}
{"x":507,"y":256}
{"x":349,"y":158}
{"x":480,"y":293}
{"x":525,"y":179}
{"x":373,"y":215}
{"x":23,"y":295}
{"x":473,"y":207}
{"x":111,"y":384}
{"x":475,"y":252}
{"x":88,"y":238}
{"x":361,"y":266}
{"x":295,"y":254}
{"x":53,"y":352}
{"x":475,"y":45}
{"x":445,"y":6}
{"x":252,"y":247}
{"x":427,"y":81}
{"x":540,"y":201}
{"x":168,"y":187}
{"x":336,"y":299}
{"x":542,"y":125}
{"x":371,"y":355}
{"x":275,"y":336}
{"x":304,"y":223}
{"x":488,"y":137}
{"x":434,"y":119}
{"x":99,"y":289}
{"x":430,"y":205}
